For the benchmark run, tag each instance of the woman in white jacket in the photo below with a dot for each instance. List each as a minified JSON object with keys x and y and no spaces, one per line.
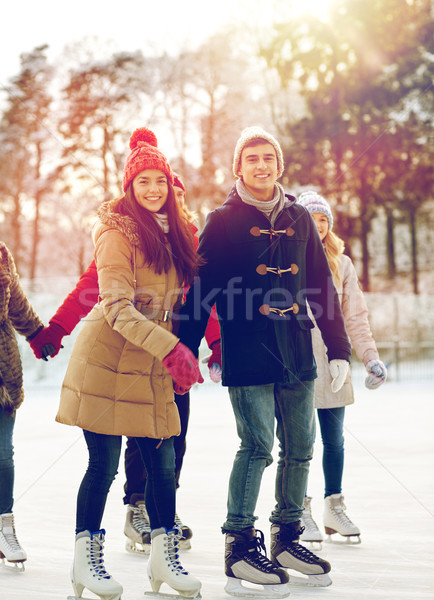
{"x":330,"y":404}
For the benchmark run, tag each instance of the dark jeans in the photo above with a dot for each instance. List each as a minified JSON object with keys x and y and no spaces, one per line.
{"x":7,"y":469}
{"x":104,"y":453}
{"x":331,"y":422}
{"x":135,"y":470}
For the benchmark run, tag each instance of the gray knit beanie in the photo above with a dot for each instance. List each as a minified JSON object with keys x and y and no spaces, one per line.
{"x":315,"y":203}
{"x":253,"y":133}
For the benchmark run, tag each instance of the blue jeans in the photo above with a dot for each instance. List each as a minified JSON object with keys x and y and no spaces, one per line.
{"x":256,"y":408}
{"x":331,"y":421}
{"x":104,"y":452}
{"x":7,"y":469}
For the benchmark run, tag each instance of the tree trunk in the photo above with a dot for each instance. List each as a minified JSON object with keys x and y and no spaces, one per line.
{"x":38,"y":198}
{"x":414,"y":263}
{"x":365,"y":252}
{"x":390,"y":245}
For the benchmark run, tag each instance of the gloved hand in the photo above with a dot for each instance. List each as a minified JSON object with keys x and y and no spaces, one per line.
{"x":183,"y":366}
{"x":48,"y":341}
{"x":178,"y":389}
{"x":377,"y":374}
{"x":215,"y":362}
{"x":338,"y":370}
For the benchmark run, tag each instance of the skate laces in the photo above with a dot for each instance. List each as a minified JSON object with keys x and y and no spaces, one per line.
{"x":8,"y":531}
{"x":257,"y":554}
{"x":97,"y":555}
{"x":302,"y":552}
{"x":140,"y":518}
{"x":173,"y":537}
{"x":309,"y":524}
{"x":339,"y":509}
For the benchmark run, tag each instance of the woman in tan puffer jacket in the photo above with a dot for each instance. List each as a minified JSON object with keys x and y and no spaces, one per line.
{"x":118,"y":380}
{"x":16,"y":314}
{"x":330,"y":404}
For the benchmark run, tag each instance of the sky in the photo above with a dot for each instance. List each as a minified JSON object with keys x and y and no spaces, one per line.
{"x":131,"y":25}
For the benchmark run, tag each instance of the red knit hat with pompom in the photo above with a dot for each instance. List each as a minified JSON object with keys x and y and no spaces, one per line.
{"x":144,"y":155}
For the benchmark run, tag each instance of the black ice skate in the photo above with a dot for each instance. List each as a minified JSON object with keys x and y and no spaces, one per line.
{"x":286,"y":552}
{"x":246,"y":560}
{"x":186,"y":534}
{"x":137,"y":528}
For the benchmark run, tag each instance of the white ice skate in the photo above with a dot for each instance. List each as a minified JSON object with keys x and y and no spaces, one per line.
{"x":88,"y":569}
{"x":337,"y":521}
{"x":10,"y":549}
{"x":137,"y":529}
{"x":311,"y":534}
{"x":164,"y":567}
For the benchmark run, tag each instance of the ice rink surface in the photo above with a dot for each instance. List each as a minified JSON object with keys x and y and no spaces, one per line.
{"x":388,"y":488}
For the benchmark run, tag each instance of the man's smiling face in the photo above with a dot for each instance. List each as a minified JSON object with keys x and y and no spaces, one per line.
{"x":258,"y":170}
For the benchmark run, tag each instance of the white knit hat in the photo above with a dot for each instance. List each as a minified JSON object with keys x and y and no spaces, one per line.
{"x":315,"y":203}
{"x":253,"y":133}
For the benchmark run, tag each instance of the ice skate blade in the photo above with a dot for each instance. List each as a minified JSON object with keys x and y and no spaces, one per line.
{"x":137,"y":548}
{"x":84,"y":598}
{"x":234,"y":587}
{"x":163,"y":595}
{"x":353,"y":540}
{"x":322,"y":580}
{"x":313,"y":545}
{"x":12,"y":565}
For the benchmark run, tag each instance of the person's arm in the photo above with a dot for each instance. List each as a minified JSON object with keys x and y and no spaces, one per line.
{"x":76,"y":305}
{"x":355,"y":313}
{"x":201,"y":297}
{"x":79,"y":302}
{"x":323,"y":296}
{"x":21,"y":313}
{"x":117,"y":292}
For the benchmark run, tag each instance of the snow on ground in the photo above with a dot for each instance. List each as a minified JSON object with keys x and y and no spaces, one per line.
{"x":388,"y":486}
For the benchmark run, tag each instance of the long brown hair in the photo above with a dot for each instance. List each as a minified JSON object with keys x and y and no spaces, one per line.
{"x":160,"y":249}
{"x":334,"y":247}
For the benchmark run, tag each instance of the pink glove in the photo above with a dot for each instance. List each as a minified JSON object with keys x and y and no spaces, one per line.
{"x":48,"y":341}
{"x":178,"y":389}
{"x":183,"y":366}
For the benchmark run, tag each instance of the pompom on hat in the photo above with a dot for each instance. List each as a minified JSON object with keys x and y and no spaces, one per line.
{"x":251,"y":134}
{"x":315,"y":203}
{"x":144,"y":155}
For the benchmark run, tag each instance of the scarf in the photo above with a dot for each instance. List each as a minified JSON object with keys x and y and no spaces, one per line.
{"x":162,"y":220}
{"x":272,"y":208}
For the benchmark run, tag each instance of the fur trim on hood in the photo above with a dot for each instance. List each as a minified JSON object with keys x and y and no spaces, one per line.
{"x":126,"y":225}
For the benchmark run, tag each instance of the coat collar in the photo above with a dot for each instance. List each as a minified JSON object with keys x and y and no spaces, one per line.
{"x":126,"y":225}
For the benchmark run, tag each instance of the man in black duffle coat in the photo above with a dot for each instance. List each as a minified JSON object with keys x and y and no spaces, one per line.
{"x":263,"y":259}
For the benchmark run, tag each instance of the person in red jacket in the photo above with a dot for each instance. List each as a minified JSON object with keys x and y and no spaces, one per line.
{"x":48,"y":343}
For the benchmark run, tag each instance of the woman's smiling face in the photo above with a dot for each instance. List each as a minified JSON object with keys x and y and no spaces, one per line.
{"x":150,"y":189}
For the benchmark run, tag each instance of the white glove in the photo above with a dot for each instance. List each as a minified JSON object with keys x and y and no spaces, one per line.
{"x":377,"y":374}
{"x":215,"y":373}
{"x":338,"y":371}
